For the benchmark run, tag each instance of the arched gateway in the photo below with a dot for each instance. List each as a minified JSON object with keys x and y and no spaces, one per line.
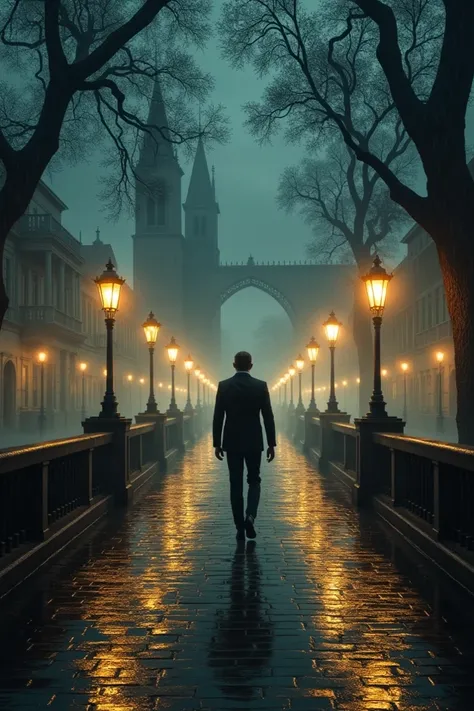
{"x":181,"y":278}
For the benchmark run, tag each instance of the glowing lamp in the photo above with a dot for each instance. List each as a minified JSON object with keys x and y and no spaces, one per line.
{"x":291,"y":371}
{"x":129,"y":378}
{"x":83,"y":367}
{"x":173,"y":350}
{"x":300,"y":362}
{"x":151,"y":327}
{"x":42,"y":357}
{"x":331,"y":327}
{"x":376,"y":284}
{"x":189,"y":363}
{"x":109,"y":285}
{"x":404,"y":367}
{"x":313,"y":350}
{"x":440,"y":356}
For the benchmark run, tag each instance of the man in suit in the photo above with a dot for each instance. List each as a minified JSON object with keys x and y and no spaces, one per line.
{"x":240,"y":400}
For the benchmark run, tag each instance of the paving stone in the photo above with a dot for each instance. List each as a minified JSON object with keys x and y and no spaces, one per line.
{"x":160,"y":609}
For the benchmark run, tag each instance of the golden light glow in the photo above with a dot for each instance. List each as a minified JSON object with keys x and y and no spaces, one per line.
{"x":189,"y":363}
{"x":83,"y":367}
{"x":376,"y":284}
{"x":313,"y":350}
{"x":404,"y":367}
{"x":440,"y":356}
{"x":331,"y":327}
{"x":104,"y":372}
{"x":129,"y":378}
{"x":173,"y":350}
{"x":197,"y":372}
{"x":141,"y":381}
{"x":110,"y":287}
{"x":291,"y":371}
{"x":384,"y":372}
{"x":358,"y":381}
{"x":42,"y":357}
{"x":300,"y":362}
{"x":151,"y":328}
{"x":344,"y":382}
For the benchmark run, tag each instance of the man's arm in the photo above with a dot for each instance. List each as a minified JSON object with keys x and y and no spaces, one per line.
{"x":268,"y":419}
{"x":218,"y":419}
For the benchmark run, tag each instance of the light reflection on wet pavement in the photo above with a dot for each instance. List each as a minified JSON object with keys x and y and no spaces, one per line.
{"x":161,"y":609}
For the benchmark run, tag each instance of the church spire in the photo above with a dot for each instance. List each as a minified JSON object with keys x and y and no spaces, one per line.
{"x":156,"y":142}
{"x":201,"y":191}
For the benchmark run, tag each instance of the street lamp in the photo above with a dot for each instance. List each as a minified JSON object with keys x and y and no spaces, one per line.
{"x":42,"y":416}
{"x":197,"y":373}
{"x":173,"y":350}
{"x":83,"y":368}
{"x":189,"y":365}
{"x":299,"y":368}
{"x":312,"y":349}
{"x":109,"y":286}
{"x":376,"y":283}
{"x":291,"y":374}
{"x":130,"y":380}
{"x":440,"y":417}
{"x":151,"y":328}
{"x":142,"y":383}
{"x":404,"y":367}
{"x":331,"y":327}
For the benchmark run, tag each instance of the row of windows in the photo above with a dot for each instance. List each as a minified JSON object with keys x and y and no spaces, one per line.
{"x":431,"y":310}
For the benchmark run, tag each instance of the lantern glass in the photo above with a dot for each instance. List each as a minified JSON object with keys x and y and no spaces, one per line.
{"x":109,"y":285}
{"x":404,"y":367}
{"x":376,"y":284}
{"x":42,"y":357}
{"x":313,"y":350}
{"x":189,"y":363}
{"x":197,"y":372}
{"x":440,"y":356}
{"x":331,"y":327}
{"x":83,"y":366}
{"x":291,"y":371}
{"x":173,"y":350}
{"x":151,"y":328}
{"x":300,"y":362}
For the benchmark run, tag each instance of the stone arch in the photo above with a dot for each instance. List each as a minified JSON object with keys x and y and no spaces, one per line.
{"x":250,"y":281}
{"x":9,"y":395}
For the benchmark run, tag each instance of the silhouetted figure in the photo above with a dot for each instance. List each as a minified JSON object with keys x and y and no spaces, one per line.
{"x":240,"y":400}
{"x":243,"y":642}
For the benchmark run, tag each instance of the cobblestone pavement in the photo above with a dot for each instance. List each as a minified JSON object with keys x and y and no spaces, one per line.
{"x":161,"y":609}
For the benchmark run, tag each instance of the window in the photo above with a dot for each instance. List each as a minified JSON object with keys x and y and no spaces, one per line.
{"x":160,"y":206}
{"x":35,"y":285}
{"x":150,"y":211}
{"x":24,"y":385}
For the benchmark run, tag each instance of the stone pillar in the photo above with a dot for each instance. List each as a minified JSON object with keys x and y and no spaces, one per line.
{"x":48,"y":278}
{"x":118,"y":454}
{"x":366,"y":453}
{"x":62,"y":286}
{"x":159,"y":420}
{"x":327,"y":419}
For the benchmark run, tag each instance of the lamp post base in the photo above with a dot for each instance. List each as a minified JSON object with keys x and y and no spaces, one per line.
{"x":188,"y":408}
{"x":300,"y":409}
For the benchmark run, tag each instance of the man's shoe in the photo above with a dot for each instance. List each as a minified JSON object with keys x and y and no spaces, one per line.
{"x":249,"y":529}
{"x":240,"y":535}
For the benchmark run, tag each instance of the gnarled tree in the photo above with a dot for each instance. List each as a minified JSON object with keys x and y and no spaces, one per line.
{"x":352,"y":215}
{"x":81,"y":73}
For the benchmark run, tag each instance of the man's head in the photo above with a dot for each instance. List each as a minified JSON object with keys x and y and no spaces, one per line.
{"x":243,"y":361}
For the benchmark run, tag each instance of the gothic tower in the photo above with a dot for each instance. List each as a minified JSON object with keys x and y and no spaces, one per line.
{"x":202,"y":259}
{"x":158,"y":244}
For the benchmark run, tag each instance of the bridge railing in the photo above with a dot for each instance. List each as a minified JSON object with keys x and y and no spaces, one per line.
{"x":53,"y":491}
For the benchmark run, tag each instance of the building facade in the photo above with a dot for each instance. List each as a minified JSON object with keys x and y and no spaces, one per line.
{"x":416,"y":328}
{"x":54,"y":307}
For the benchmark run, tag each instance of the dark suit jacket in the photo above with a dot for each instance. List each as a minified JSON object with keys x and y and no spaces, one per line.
{"x":241,"y":399}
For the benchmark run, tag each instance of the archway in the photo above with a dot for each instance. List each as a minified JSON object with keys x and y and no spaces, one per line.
{"x":9,"y":395}
{"x":254,"y":320}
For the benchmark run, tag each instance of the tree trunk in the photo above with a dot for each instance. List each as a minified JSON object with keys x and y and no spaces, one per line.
{"x":362,"y":334}
{"x":456,"y":257}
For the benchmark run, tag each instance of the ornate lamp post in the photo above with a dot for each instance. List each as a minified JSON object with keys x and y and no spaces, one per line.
{"x":173,"y":350}
{"x":291,"y":374}
{"x":312,"y":349}
{"x":151,"y":328}
{"x":331,"y":327}
{"x":299,"y":368}
{"x":404,"y":367}
{"x":197,"y":373}
{"x":440,"y":417}
{"x":109,"y":286}
{"x":189,"y":365}
{"x":344,"y":385}
{"x":42,"y":416}
{"x":202,"y":378}
{"x":130,"y":381}
{"x":83,"y":368}
{"x":376,"y":283}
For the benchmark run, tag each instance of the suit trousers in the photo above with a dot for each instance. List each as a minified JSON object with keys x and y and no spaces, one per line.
{"x":235,"y":462}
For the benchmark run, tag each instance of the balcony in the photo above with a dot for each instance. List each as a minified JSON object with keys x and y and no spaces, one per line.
{"x":38,"y":320}
{"x":41,"y":226}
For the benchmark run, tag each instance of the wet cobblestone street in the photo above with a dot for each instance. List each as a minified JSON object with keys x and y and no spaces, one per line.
{"x":161,"y":609}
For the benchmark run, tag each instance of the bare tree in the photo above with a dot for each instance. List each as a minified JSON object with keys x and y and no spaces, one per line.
{"x":81,"y":71}
{"x":352,"y":215}
{"x":315,"y":75}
